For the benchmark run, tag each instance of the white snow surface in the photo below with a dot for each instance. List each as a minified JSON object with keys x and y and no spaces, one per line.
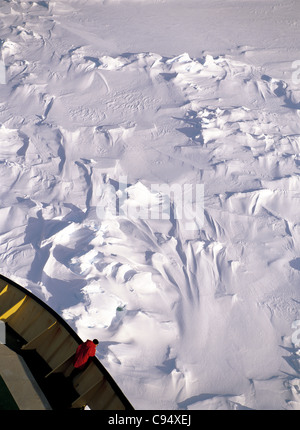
{"x":159,"y":92}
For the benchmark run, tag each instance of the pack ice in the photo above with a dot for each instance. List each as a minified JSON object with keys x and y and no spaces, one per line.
{"x":201,"y":318}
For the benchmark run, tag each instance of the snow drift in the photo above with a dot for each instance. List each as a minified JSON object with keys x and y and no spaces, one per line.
{"x":188,"y":319}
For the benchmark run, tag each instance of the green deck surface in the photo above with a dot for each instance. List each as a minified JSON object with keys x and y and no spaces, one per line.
{"x":7,"y":401}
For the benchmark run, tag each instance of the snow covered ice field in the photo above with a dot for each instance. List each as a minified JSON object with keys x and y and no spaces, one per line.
{"x":173,"y":92}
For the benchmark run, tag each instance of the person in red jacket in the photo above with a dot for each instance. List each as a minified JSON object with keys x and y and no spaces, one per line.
{"x":83,"y":353}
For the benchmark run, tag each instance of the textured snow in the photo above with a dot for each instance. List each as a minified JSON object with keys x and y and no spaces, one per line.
{"x":102,"y":102}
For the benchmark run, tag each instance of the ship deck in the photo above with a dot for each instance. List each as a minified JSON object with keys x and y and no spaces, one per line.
{"x":23,"y":385}
{"x":38,"y":353}
{"x":18,"y":388}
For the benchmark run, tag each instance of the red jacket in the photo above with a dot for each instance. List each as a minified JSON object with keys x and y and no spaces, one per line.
{"x":83,"y":352}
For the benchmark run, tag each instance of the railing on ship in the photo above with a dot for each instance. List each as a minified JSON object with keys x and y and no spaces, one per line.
{"x":55,"y":341}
